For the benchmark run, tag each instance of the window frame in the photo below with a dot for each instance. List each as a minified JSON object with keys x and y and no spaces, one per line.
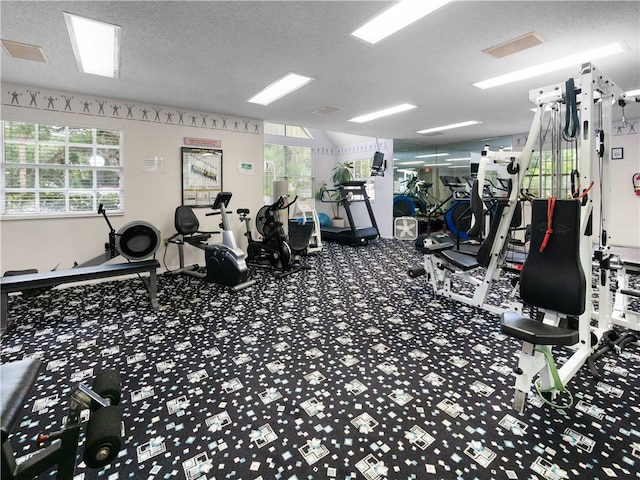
{"x":66,"y":192}
{"x":540,"y":177}
{"x":291,"y":179}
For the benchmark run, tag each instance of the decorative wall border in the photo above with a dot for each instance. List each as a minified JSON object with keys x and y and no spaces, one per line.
{"x":41,"y":99}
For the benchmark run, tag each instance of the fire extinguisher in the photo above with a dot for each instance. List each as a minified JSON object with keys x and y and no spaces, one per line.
{"x":636,"y":183}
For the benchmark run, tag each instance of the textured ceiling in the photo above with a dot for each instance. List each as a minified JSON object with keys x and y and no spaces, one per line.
{"x":214,"y":55}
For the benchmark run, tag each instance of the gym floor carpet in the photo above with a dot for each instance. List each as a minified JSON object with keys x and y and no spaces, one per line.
{"x":351,"y":370}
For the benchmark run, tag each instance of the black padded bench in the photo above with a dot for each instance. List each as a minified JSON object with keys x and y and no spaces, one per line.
{"x":17,"y":379}
{"x":445,"y":250}
{"x":33,"y":281}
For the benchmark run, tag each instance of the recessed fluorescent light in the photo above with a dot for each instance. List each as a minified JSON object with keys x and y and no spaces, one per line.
{"x":449,"y":127}
{"x":432,"y":155}
{"x":382,"y":113}
{"x":443,"y":164}
{"x":419,"y":162}
{"x":395,"y":18}
{"x":461,"y":159}
{"x":633,"y":93}
{"x":96,"y":45}
{"x":278,"y":89}
{"x":553,"y":65}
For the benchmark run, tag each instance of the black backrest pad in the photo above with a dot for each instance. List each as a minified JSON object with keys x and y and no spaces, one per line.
{"x":477,"y":211}
{"x":554,"y":279}
{"x":185,"y":221}
{"x":483,"y":257}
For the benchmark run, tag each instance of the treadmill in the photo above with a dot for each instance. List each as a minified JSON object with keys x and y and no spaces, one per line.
{"x":350,"y":192}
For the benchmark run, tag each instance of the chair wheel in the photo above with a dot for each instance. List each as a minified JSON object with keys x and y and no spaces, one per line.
{"x":103,"y":440}
{"x":107,"y":385}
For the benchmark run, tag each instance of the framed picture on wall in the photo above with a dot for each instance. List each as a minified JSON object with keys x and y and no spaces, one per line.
{"x":201,"y":176}
{"x":617,"y":153}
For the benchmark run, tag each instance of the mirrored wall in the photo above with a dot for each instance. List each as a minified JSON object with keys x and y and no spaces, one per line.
{"x":429,"y":175}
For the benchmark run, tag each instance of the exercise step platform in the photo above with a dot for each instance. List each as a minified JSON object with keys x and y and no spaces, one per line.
{"x":536,"y":332}
{"x":43,"y":280}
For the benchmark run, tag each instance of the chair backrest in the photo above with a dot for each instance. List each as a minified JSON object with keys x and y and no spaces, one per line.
{"x":553,"y":279}
{"x":186,"y":221}
{"x":477,"y":211}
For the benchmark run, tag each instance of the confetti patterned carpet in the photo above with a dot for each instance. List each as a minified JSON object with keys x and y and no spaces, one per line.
{"x":350,"y":370}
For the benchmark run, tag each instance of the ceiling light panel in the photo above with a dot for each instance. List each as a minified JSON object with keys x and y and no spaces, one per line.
{"x":382,"y":113}
{"x":432,"y":155}
{"x":449,"y":127}
{"x":553,"y":65}
{"x":396,"y":18}
{"x":280,"y":88}
{"x":96,"y":45}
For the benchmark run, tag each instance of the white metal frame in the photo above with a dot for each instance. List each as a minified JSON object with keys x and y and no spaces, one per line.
{"x":596,"y":91}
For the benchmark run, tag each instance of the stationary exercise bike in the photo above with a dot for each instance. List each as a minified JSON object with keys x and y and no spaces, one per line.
{"x":225,"y":262}
{"x":273,"y":251}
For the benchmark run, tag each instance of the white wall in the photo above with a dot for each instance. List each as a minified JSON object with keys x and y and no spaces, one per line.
{"x":382,"y":205}
{"x":43,"y":243}
{"x":623,"y":226}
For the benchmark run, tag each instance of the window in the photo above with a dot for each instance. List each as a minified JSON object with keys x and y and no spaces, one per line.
{"x":540,"y":180}
{"x":362,"y":171}
{"x":290,"y":163}
{"x":57,"y":169}
{"x":286,"y":130}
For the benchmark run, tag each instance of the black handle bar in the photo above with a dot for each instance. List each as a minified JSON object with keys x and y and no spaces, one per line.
{"x":279,"y":204}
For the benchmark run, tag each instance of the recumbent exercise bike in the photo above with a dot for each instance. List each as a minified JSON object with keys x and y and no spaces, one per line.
{"x":225,"y":262}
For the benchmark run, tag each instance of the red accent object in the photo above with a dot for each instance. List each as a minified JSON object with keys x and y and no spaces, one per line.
{"x":42,"y":439}
{"x":551,"y":203}
{"x":636,"y":183}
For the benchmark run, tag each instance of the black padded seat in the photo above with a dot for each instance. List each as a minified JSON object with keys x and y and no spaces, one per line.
{"x":461,"y":260}
{"x":16,"y":380}
{"x":538,"y":333}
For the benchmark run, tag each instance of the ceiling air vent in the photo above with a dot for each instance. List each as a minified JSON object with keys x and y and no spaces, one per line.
{"x":325,"y":111}
{"x":516,"y":45}
{"x":23,"y":51}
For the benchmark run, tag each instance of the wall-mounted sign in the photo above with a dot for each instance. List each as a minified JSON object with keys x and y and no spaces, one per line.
{"x":202,"y":142}
{"x":245,"y":168}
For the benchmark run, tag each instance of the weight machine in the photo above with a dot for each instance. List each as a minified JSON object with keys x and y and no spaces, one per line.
{"x":97,"y":406}
{"x":443,"y":264}
{"x":588,"y":101}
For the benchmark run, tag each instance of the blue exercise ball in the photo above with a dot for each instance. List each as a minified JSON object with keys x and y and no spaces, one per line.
{"x":324,"y":219}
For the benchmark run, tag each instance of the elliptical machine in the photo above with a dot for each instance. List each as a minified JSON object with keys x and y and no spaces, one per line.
{"x":273,"y":251}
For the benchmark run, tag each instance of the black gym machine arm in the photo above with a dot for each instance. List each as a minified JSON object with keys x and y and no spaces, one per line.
{"x":103,"y":433}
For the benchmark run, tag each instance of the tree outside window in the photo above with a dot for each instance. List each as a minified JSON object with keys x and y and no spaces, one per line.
{"x":57,"y":169}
